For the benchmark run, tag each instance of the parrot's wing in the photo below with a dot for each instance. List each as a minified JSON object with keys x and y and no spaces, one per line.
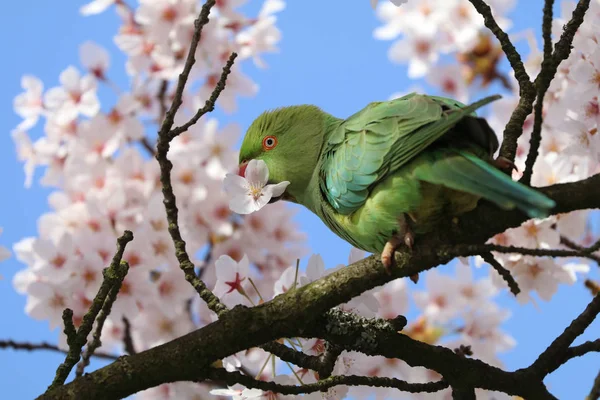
{"x":380,"y":139}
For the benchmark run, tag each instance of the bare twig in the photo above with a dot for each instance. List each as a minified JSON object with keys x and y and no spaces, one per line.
{"x":514,"y":127}
{"x":504,"y":273}
{"x":550,"y":65}
{"x":582,"y":349}
{"x":554,"y":355}
{"x":127,"y":339}
{"x":210,"y":103}
{"x":467,"y":250}
{"x":231,"y":378}
{"x":11,"y":344}
{"x":536,"y":135}
{"x":160,"y":97}
{"x":104,"y":313}
{"x":165,"y":135}
{"x":572,"y":245}
{"x":145,"y":142}
{"x":509,"y":49}
{"x":76,"y":340}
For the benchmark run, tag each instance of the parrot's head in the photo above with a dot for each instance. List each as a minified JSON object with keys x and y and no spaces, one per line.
{"x":289,"y":141}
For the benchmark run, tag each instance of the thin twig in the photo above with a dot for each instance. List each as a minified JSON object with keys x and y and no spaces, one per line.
{"x":145,"y":142}
{"x":572,"y":245}
{"x":127,"y":339}
{"x":104,"y":313}
{"x":209,"y":105}
{"x":11,"y":344}
{"x":582,"y":349}
{"x":504,"y":273}
{"x":162,"y":93}
{"x":165,"y":135}
{"x":542,"y":87}
{"x":554,"y":355}
{"x":468,"y":250}
{"x":231,"y":378}
{"x":113,"y":274}
{"x":509,"y":49}
{"x":514,"y":127}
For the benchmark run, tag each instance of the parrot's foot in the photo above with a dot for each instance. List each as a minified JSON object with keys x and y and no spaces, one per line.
{"x":504,"y":164}
{"x":404,"y":236}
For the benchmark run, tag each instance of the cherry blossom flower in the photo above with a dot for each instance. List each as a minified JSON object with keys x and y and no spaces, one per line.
{"x":232,"y":276}
{"x":29,"y":104}
{"x":76,"y":96}
{"x":251,"y":192}
{"x":95,"y":59}
{"x":442,"y":301}
{"x":450,"y":80}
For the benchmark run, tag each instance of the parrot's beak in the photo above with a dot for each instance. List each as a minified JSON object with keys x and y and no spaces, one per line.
{"x":242,"y":169}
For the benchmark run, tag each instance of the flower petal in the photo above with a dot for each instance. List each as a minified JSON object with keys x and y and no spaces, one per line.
{"x":242,"y":204}
{"x":257,"y":172}
{"x":235,"y":185}
{"x":276,"y":190}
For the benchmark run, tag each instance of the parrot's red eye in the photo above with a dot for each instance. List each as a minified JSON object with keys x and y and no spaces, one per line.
{"x":269,"y":142}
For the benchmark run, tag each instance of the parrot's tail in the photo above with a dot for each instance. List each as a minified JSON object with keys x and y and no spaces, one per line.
{"x":466,"y":172}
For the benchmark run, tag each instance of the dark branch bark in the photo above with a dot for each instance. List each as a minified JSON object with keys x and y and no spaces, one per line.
{"x":553,"y":356}
{"x":549,"y":67}
{"x":11,"y":344}
{"x":165,"y":135}
{"x":231,"y":378}
{"x":113,"y":276}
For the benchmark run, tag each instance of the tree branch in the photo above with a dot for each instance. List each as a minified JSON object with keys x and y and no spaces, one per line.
{"x":300,"y":311}
{"x":514,"y":127}
{"x":165,"y":135}
{"x":11,"y":344}
{"x":210,"y":103}
{"x":504,"y":273}
{"x":542,"y":87}
{"x":113,"y":276}
{"x":127,"y":339}
{"x":514,"y":58}
{"x":549,"y":67}
{"x":104,"y":313}
{"x":231,"y":378}
{"x":582,"y":349}
{"x":554,"y":355}
{"x":466,"y":250}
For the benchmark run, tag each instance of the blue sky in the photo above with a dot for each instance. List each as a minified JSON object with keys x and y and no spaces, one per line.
{"x":327,"y":57}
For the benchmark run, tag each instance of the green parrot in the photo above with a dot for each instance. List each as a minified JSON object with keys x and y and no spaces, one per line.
{"x":390,"y":172}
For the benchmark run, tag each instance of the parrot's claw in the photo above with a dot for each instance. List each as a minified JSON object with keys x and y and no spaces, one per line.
{"x":387,"y":255}
{"x":405,"y":236}
{"x":504,"y":164}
